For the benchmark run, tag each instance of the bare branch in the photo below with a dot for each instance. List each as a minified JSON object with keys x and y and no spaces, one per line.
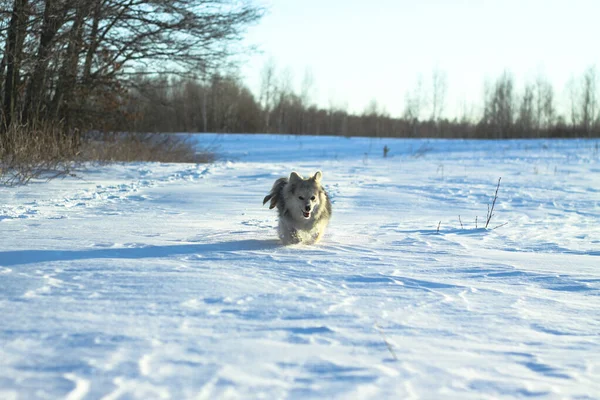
{"x":490,"y":212}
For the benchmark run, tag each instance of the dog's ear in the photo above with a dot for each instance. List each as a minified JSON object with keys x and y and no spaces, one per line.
{"x":317,"y":176}
{"x":294,"y":177}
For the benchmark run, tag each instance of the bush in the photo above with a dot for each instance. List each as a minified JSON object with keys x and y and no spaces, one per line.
{"x":130,"y":147}
{"x":48,"y":152}
{"x":28,"y":152}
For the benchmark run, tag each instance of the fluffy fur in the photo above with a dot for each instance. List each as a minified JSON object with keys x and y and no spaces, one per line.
{"x":303,"y":206}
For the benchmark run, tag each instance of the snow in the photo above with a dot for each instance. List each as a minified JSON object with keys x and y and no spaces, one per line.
{"x":166,"y":281}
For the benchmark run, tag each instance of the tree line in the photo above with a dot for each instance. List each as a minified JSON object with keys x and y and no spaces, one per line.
{"x":223,"y":103}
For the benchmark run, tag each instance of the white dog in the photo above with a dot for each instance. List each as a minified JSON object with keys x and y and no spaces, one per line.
{"x":303,"y":206}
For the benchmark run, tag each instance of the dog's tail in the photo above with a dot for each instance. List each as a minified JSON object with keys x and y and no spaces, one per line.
{"x":275,"y":193}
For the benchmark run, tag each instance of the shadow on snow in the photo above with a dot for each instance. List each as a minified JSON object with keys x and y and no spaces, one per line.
{"x":19,"y":257}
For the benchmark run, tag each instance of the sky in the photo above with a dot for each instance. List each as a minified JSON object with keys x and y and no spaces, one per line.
{"x":360,"y":51}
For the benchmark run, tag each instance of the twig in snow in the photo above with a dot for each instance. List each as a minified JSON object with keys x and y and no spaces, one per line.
{"x":438,"y":228}
{"x":388,"y":345}
{"x":500,"y":226}
{"x":476,"y":222}
{"x":461,"y":224}
{"x":490,"y":212}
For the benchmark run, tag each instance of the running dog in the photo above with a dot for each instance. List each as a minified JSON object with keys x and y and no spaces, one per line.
{"x":303,"y":206}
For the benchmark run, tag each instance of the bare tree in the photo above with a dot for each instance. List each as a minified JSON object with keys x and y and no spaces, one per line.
{"x":438,"y":98}
{"x":499,"y":107}
{"x":64,"y":96}
{"x":414,"y":102}
{"x":573,"y":102}
{"x":283,"y":95}
{"x":53,"y":19}
{"x":544,"y":104}
{"x":308,"y":87}
{"x":525,"y":119}
{"x":589,"y":99}
{"x":267,"y":90}
{"x":306,"y":94}
{"x":13,"y":55}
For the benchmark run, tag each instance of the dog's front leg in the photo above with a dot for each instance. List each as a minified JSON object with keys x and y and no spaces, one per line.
{"x":294,"y":236}
{"x":317,"y":236}
{"x":289,"y":236}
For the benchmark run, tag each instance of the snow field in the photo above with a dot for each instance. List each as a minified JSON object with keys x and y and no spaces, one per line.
{"x":166,"y":281}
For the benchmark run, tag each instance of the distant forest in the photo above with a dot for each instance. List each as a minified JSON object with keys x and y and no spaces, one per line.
{"x":161,"y":66}
{"x":223,"y":103}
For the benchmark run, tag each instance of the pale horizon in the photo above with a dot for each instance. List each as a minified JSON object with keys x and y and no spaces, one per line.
{"x":361,"y":52}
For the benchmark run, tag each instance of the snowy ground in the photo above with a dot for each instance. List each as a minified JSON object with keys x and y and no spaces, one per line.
{"x":154,"y":281}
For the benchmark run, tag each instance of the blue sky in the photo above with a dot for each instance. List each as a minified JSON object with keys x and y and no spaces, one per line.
{"x":359,"y":51}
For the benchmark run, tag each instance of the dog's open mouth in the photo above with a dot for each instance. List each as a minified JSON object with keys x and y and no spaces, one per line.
{"x":306,"y":214}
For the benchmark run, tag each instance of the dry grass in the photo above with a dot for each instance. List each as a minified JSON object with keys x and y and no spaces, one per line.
{"x":46,"y":152}
{"x":489,"y":215}
{"x":149,"y":147}
{"x":28,"y":152}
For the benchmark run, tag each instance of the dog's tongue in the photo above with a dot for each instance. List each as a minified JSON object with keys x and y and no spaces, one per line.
{"x":306,"y":214}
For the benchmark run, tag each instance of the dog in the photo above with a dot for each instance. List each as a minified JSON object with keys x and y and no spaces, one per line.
{"x":303,"y":206}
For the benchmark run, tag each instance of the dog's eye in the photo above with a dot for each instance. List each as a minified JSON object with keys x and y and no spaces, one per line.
{"x":301,"y":198}
{"x":312,"y":198}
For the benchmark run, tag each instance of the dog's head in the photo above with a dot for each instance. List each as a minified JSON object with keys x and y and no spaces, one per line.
{"x":305,"y":196}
